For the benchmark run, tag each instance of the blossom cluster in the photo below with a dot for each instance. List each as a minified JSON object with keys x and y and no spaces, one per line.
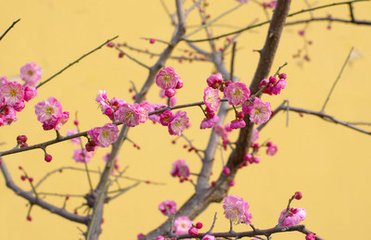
{"x":13,"y":94}
{"x":238,"y":95}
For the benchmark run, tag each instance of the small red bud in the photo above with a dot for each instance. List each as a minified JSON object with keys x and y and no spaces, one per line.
{"x":110,"y":44}
{"x":29,"y":218}
{"x":226,"y":171}
{"x":21,"y":139}
{"x":30,"y":179}
{"x":48,"y":157}
{"x":298,"y":195}
{"x":199,"y":225}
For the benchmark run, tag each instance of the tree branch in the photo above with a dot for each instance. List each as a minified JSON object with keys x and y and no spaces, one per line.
{"x":9,"y":28}
{"x":76,"y":61}
{"x":290,"y":15}
{"x":37,"y":201}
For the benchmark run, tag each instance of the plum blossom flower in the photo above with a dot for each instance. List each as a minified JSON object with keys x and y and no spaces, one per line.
{"x":209,"y":122}
{"x":167,"y":78}
{"x":178,"y":123}
{"x":167,"y":207}
{"x":77,"y":140}
{"x":30,"y":73}
{"x":272,"y":86}
{"x":236,"y":209}
{"x":236,"y":93}
{"x":211,"y":98}
{"x":293,"y":217}
{"x":104,"y":136}
{"x":271,"y":149}
{"x":131,"y":114}
{"x":50,"y":114}
{"x":259,"y":111}
{"x":180,"y":169}
{"x":215,"y":80}
{"x":208,"y":237}
{"x":182,"y":224}
{"x":11,"y":94}
{"x":7,"y":115}
{"x":82,"y":156}
{"x":238,"y":123}
{"x":254,"y":135}
{"x":29,"y":93}
{"x":108,"y":106}
{"x":250,"y":159}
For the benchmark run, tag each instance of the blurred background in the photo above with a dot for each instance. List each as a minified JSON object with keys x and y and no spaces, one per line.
{"x":329,"y":164}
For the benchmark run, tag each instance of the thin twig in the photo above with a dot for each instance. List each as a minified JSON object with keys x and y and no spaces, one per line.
{"x":337,"y":79}
{"x":76,"y":61}
{"x":267,"y":22}
{"x":9,"y":28}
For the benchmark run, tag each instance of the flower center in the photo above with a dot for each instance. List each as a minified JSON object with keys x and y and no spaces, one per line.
{"x":49,"y":110}
{"x":105,"y":134}
{"x":30,"y":73}
{"x":166,"y":78}
{"x":13,"y":92}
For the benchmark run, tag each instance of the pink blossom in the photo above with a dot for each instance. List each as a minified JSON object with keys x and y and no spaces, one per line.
{"x":180,"y":169}
{"x":215,"y":80}
{"x":270,"y":4}
{"x":211,"y":98}
{"x":179,"y":123}
{"x":167,"y":78}
{"x":131,"y":114}
{"x":254,"y":135}
{"x":236,"y":209}
{"x":104,"y":136}
{"x":77,"y":140}
{"x":271,"y":149}
{"x":167,"y":207}
{"x":238,"y":123}
{"x":166,"y":117}
{"x":242,"y":1}
{"x":30,"y":73}
{"x":172,"y":101}
{"x":293,"y":217}
{"x":259,"y":111}
{"x":82,"y":156}
{"x":208,"y":237}
{"x":182,"y":224}
{"x":209,"y":122}
{"x":11,"y":94}
{"x":7,"y":115}
{"x":50,"y":114}
{"x":250,"y":159}
{"x":310,"y":236}
{"x":236,"y":93}
{"x":48,"y":109}
{"x":272,"y":86}
{"x":29,"y":93}
{"x":108,"y":107}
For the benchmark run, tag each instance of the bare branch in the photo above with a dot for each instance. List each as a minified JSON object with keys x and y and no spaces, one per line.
{"x":9,"y":28}
{"x":256,"y":232}
{"x":76,"y":61}
{"x":337,"y":80}
{"x":290,"y":15}
{"x":37,"y":201}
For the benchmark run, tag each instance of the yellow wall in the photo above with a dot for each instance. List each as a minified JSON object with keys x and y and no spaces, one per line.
{"x":328,"y":163}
